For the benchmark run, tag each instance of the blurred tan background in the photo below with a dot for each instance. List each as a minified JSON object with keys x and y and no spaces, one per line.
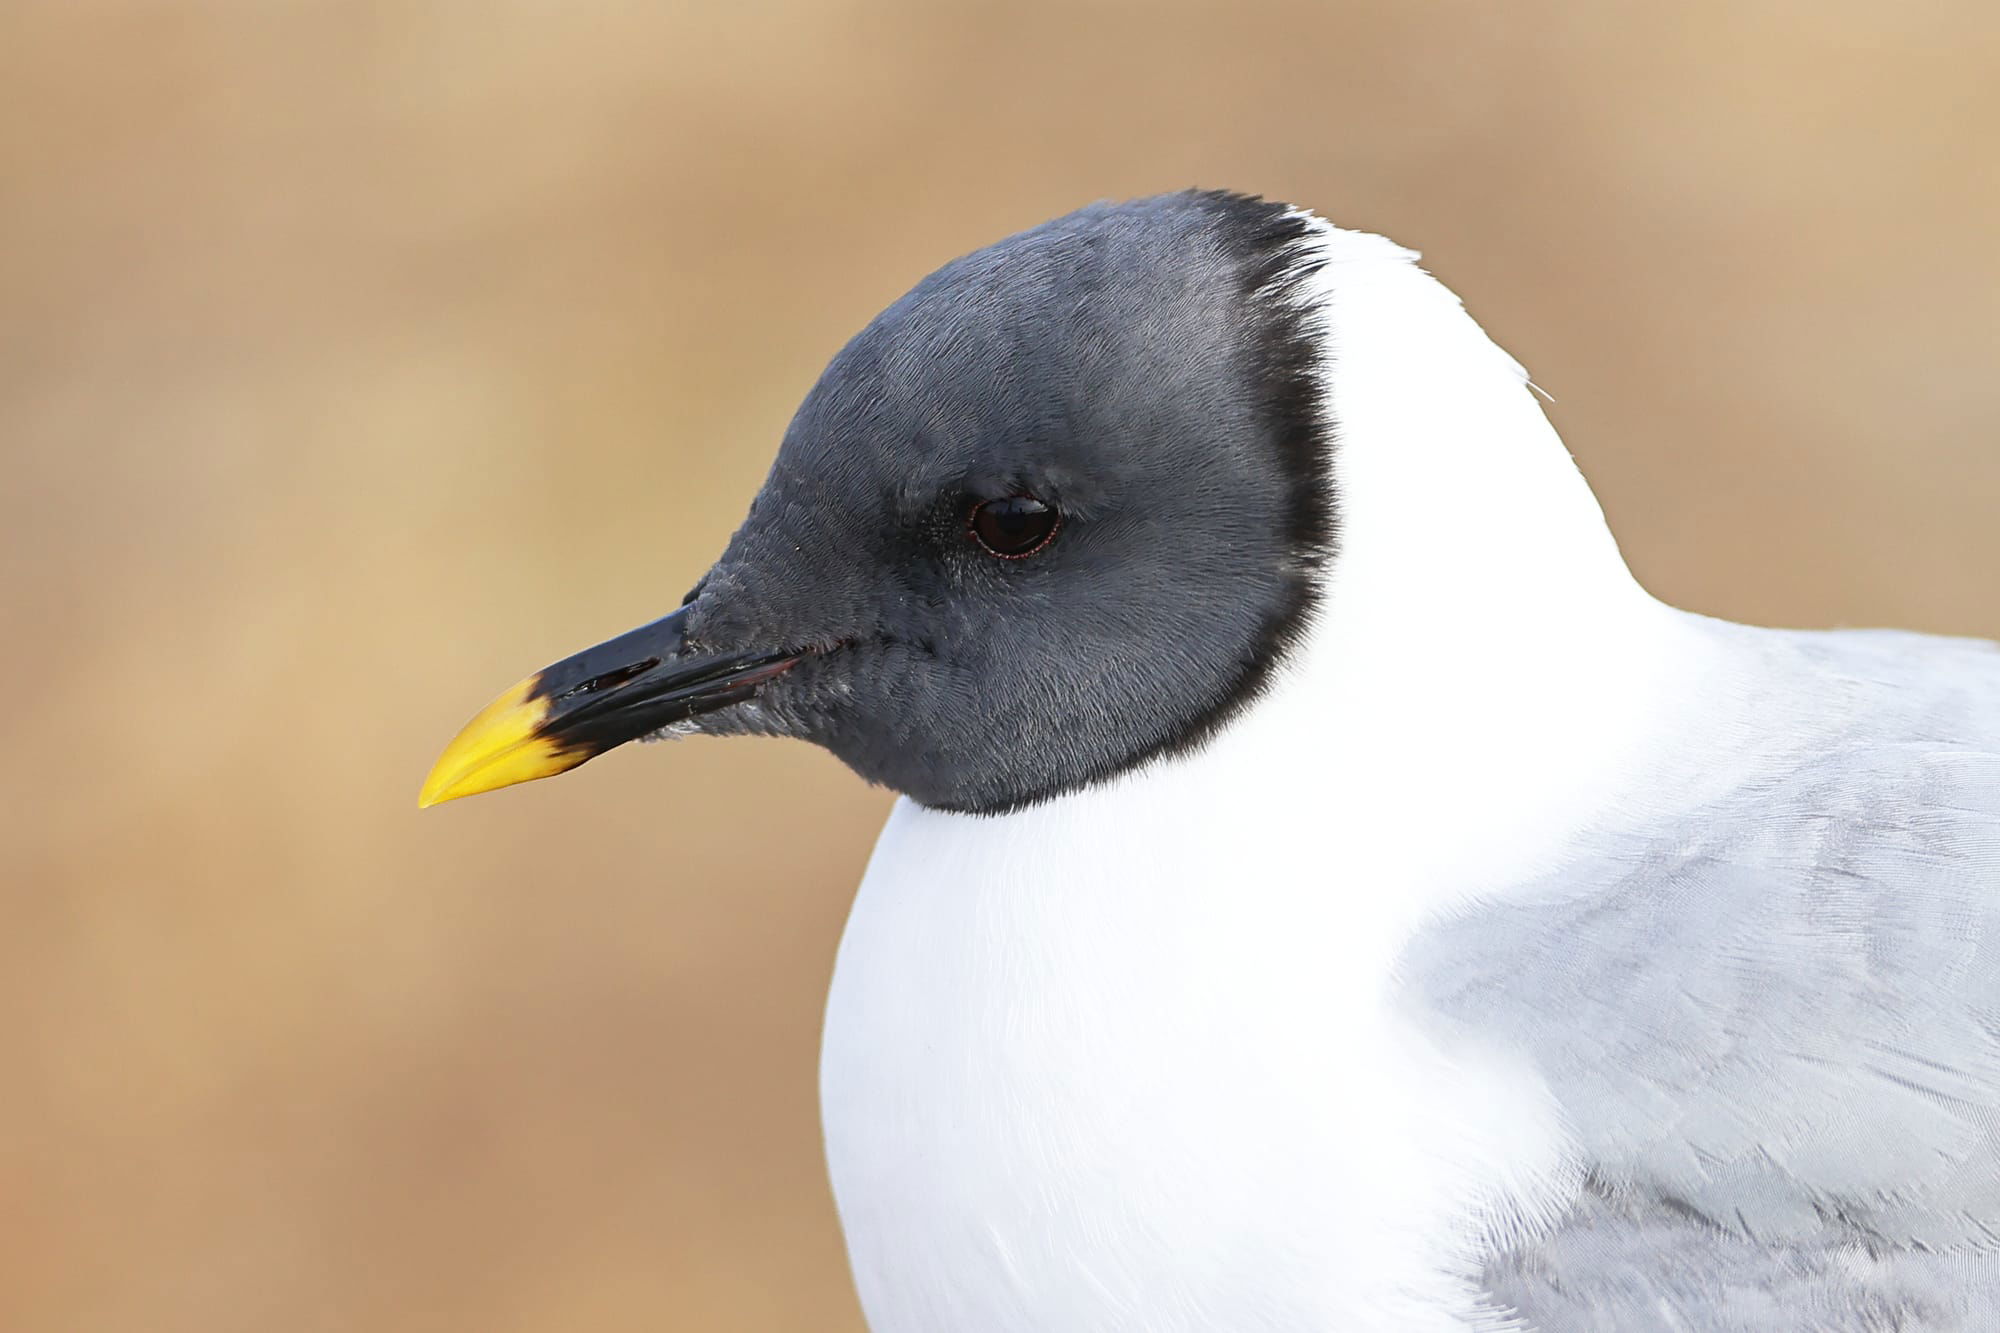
{"x":356,"y":358}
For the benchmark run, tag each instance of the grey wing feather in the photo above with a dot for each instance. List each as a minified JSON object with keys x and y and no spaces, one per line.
{"x":1773,"y":1025}
{"x":1637,"y":1265}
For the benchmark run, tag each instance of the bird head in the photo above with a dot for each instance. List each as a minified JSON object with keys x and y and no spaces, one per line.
{"x":1055,"y":512}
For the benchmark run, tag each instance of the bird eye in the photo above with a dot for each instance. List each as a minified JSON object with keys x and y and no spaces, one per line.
{"x":1017,"y":526}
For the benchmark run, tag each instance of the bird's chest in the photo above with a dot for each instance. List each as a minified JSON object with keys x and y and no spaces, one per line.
{"x":1131,"y":1082}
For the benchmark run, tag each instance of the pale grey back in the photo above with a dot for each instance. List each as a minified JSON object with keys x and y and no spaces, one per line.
{"x":1774,"y":1024}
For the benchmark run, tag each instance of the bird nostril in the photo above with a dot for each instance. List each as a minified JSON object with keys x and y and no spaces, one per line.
{"x":610,"y":679}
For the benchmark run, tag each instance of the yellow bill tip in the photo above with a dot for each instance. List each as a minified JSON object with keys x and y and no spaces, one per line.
{"x":498,"y":748}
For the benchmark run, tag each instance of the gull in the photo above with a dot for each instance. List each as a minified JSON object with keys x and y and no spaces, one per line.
{"x":1327,"y":891}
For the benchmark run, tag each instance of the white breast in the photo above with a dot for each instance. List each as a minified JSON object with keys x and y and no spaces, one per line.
{"x":1084,"y":1074}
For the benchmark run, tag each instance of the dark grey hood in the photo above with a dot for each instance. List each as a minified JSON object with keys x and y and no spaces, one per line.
{"x":1142,"y":382}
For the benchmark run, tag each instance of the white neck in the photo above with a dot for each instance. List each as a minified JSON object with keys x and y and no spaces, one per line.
{"x":1477,"y":605}
{"x":1456,"y":497}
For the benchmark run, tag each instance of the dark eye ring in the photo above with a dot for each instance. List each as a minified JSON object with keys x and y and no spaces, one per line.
{"x":1014,"y":527}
